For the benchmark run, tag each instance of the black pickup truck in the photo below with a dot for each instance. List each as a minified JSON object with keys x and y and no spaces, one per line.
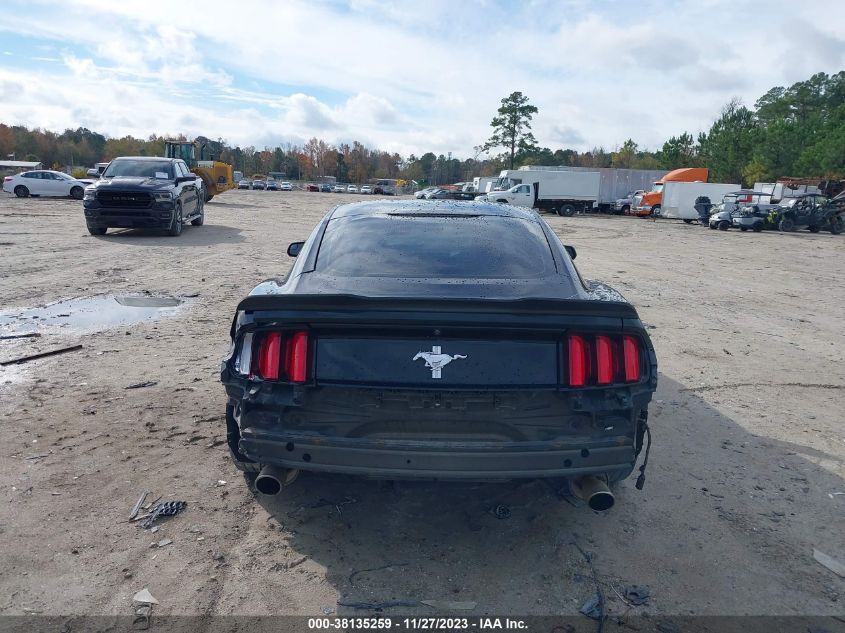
{"x":144,"y":192}
{"x":446,"y":340}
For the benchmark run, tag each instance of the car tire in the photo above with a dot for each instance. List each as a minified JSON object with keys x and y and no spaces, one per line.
{"x":837,"y":225}
{"x":21,"y":191}
{"x":743,"y":228}
{"x":786,"y":225}
{"x":814,"y":228}
{"x":567,"y":210}
{"x":687,"y":221}
{"x":757,"y":228}
{"x":724,"y":225}
{"x":175,"y":229}
{"x":712,"y":226}
{"x":77,"y":193}
{"x":200,"y":219}
{"x":655,"y":212}
{"x":97,"y":230}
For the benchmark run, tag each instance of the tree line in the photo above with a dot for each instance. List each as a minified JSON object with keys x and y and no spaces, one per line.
{"x":797,"y":131}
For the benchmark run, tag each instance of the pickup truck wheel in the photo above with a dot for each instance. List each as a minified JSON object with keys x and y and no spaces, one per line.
{"x":21,"y":191}
{"x":200,"y":219}
{"x":743,"y":228}
{"x":814,"y":228}
{"x":837,"y":225}
{"x":712,"y":226}
{"x":77,"y":193}
{"x":97,"y":230}
{"x":757,"y":227}
{"x":724,"y":225}
{"x":176,"y":226}
{"x":567,"y":210}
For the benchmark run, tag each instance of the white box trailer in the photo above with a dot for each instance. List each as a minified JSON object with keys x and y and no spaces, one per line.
{"x":483,"y":184}
{"x":679,"y":197}
{"x":615,"y":183}
{"x":563,"y":192}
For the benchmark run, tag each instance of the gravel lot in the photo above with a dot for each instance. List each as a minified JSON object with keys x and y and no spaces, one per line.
{"x":748,"y":438}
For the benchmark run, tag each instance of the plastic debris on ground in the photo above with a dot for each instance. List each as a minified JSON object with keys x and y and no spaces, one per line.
{"x":637,"y":595}
{"x":592,"y":608}
{"x":162,"y":509}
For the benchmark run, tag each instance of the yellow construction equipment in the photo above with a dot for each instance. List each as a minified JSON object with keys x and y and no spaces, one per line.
{"x":217,"y":176}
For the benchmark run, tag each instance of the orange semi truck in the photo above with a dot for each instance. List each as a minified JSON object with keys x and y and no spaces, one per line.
{"x":651,"y":201}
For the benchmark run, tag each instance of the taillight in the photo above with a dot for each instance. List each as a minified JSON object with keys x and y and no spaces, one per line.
{"x":296,"y":356}
{"x":631,"y":351}
{"x":579,"y":361}
{"x":602,"y":360}
{"x":282,"y":355}
{"x":269,"y":356}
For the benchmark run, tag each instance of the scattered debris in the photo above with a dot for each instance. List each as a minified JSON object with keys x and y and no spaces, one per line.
{"x":220,"y":482}
{"x":141,"y":385}
{"x":588,"y":608}
{"x":378,"y":606}
{"x":450,"y":604}
{"x":296,"y":563}
{"x":163,"y":509}
{"x":832,"y":495}
{"x":144,"y":597}
{"x":215,"y":443}
{"x":137,"y":507}
{"x":832,"y":564}
{"x":361,"y":571}
{"x":327,"y":610}
{"x":326,"y":502}
{"x":143,"y":602}
{"x":54,"y":352}
{"x":42,"y":455}
{"x":593,"y":607}
{"x":7,"y":337}
{"x":164,"y":542}
{"x":637,"y":595}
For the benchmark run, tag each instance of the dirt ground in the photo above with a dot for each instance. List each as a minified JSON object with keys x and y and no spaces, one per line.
{"x":748,"y":438}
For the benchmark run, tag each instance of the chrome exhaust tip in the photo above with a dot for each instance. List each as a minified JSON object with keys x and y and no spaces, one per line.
{"x":272,"y":479}
{"x":595,"y":492}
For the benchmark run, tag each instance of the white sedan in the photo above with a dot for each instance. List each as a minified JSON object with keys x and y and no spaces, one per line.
{"x":286,"y":186}
{"x":352,"y":189}
{"x":44,"y":182}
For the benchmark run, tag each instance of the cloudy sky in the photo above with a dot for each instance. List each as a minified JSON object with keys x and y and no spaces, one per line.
{"x":402,"y":75}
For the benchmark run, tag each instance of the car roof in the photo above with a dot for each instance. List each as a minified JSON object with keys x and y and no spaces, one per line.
{"x":429,"y":207}
{"x":145,"y":158}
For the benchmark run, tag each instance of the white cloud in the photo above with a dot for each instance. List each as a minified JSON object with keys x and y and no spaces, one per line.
{"x":408,"y":80}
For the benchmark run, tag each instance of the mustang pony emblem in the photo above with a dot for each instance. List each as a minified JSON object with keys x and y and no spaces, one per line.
{"x":436,"y":360}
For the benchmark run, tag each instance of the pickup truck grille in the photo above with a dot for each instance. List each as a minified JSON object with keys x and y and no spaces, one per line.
{"x":125,"y":199}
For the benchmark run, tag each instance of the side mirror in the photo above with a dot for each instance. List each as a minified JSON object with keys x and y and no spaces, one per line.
{"x":571,"y":250}
{"x":294,"y":248}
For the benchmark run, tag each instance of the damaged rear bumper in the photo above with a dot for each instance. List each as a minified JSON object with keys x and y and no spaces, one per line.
{"x":435,"y":459}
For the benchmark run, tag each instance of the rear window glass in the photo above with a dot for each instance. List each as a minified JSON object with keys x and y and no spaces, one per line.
{"x":444,"y":246}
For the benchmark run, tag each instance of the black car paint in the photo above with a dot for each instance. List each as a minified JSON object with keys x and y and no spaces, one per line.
{"x":368,"y":409}
{"x":129,"y":202}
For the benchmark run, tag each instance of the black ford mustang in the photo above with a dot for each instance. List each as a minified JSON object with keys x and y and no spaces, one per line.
{"x":440,"y":340}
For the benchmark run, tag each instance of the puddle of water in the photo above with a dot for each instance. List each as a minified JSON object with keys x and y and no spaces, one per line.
{"x":89,"y":313}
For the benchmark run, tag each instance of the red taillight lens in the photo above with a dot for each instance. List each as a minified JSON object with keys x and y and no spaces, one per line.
{"x":631,"y":352}
{"x":296,"y":357}
{"x":269,"y":356}
{"x":604,"y":360}
{"x":283,"y":355}
{"x":579,"y":361}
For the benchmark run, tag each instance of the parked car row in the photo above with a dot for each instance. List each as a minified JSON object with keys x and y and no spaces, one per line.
{"x":268,"y":185}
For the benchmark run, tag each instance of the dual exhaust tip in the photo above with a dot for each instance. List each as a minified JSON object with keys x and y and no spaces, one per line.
{"x":272,"y":479}
{"x":590,"y":488}
{"x":594,"y":491}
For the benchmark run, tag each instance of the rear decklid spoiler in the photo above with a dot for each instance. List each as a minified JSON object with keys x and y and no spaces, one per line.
{"x":318,"y":308}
